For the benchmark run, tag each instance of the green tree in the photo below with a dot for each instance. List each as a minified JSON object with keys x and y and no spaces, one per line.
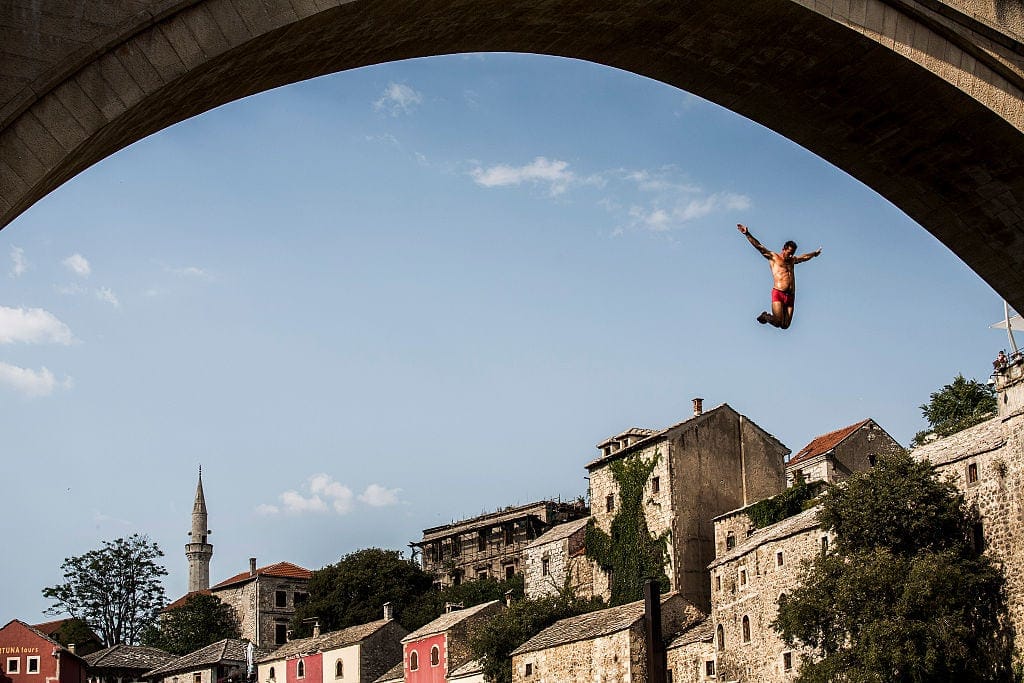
{"x":116,"y":589}
{"x":353,"y":590}
{"x":630,"y":554}
{"x":494,"y":642}
{"x":903,"y":594}
{"x":201,"y":620}
{"x":78,"y":632}
{"x":430,"y":604}
{"x":957,"y":406}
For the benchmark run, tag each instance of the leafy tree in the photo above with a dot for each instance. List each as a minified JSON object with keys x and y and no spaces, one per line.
{"x":630,"y":554}
{"x":430,"y":604}
{"x":903,"y":594}
{"x":793,"y":500}
{"x":78,"y":632}
{"x":116,"y":589}
{"x":494,"y":642}
{"x":201,"y":620}
{"x":353,"y":590}
{"x":957,"y":406}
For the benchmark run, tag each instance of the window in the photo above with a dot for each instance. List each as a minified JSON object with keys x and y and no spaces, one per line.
{"x":13,"y":665}
{"x":972,"y":473}
{"x":872,"y":459}
{"x":824,"y":544}
{"x":300,"y":669}
{"x":510,"y":536}
{"x":746,"y":629}
{"x":718,"y":582}
{"x":280,"y":599}
{"x":271,"y":676}
{"x":414,"y":661}
{"x":32,"y":665}
{"x":510,"y":572}
{"x":339,"y":669}
{"x":655,"y":484}
{"x":978,"y":536}
{"x":299,"y":598}
{"x":280,"y":633}
{"x":609,"y":503}
{"x":456,"y":546}
{"x":730,"y":541}
{"x":481,"y":574}
{"x":545,"y":569}
{"x":709,"y":668}
{"x":787,"y":661}
{"x":481,"y":540}
{"x":743,"y":577}
{"x":197,"y":677}
{"x":668,"y":675}
{"x":435,"y":656}
{"x":529,"y":669}
{"x":778,"y":559}
{"x":721,"y":637}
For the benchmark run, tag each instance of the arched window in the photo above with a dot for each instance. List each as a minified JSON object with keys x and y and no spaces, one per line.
{"x":721,"y":637}
{"x":300,"y":669}
{"x":414,"y":661}
{"x":435,"y":656}
{"x":339,"y":669}
{"x":746,"y":629}
{"x":271,"y":677}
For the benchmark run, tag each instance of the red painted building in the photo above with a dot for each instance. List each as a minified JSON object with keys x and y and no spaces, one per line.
{"x":29,"y":656}
{"x":433,"y":651}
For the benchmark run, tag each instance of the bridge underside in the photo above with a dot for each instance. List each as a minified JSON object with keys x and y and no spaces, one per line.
{"x":950,"y":162}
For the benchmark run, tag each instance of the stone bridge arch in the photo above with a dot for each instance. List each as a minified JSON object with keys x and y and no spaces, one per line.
{"x":921,"y":100}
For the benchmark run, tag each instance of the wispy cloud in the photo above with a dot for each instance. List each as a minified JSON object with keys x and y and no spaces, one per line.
{"x":32,"y":326}
{"x":377,"y":496}
{"x":102,"y":518}
{"x":191,"y":272}
{"x":107,"y":295}
{"x":30,"y":383}
{"x":398,"y":98}
{"x":551,"y":172}
{"x":657,"y":218}
{"x":18,"y":263}
{"x":78,"y":265}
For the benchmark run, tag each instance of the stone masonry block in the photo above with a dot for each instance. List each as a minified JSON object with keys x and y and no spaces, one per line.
{"x":119,"y":80}
{"x":207,"y":33}
{"x":265,"y":17}
{"x":96,"y":88}
{"x":44,"y":146}
{"x":138,"y":66}
{"x":80,"y":106}
{"x":21,"y":160}
{"x":60,"y":123}
{"x":158,"y":51}
{"x":183,"y":42}
{"x":229,"y":21}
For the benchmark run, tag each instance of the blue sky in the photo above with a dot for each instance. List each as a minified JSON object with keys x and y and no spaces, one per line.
{"x":385,"y":299}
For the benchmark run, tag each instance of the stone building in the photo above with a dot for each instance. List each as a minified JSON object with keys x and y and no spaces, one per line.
{"x":491,"y":545}
{"x":265,"y":600}
{"x":225,"y":661}
{"x":835,"y":456}
{"x":555,"y":555}
{"x":435,"y":652}
{"x":124,"y":663}
{"x":690,"y":656}
{"x":986,"y":462}
{"x":357,"y":654}
{"x":606,"y":645}
{"x":710,"y":463}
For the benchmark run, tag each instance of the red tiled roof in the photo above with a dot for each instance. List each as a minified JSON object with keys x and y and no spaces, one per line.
{"x":183,"y":599}
{"x":825,"y":443}
{"x":50,"y":627}
{"x":283,"y":569}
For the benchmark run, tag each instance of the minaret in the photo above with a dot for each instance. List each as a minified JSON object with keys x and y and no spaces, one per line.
{"x":199,"y":551}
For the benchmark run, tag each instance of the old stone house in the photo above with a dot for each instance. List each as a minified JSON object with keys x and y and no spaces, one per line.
{"x":558,"y":554}
{"x":491,"y":545}
{"x":124,"y":663}
{"x":708,"y":464}
{"x":835,"y":456}
{"x":225,"y":661}
{"x":606,"y":645}
{"x":435,"y":651}
{"x":27,"y":655}
{"x":357,"y":654}
{"x":690,"y":656}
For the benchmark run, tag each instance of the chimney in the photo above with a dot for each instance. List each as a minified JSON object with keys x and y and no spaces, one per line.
{"x":452,"y":606}
{"x":508,"y":598}
{"x":316,"y":629}
{"x":389,"y":612}
{"x":71,"y":648}
{"x":252,"y":566}
{"x":698,"y":407}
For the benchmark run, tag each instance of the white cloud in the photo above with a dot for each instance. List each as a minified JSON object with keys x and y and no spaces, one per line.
{"x":541,"y":170}
{"x":78,"y":265}
{"x":377,"y":496}
{"x":20,"y":265}
{"x":658,"y":219}
{"x":107,"y":295}
{"x":27,"y":382}
{"x":296,"y":503}
{"x":32,"y":326}
{"x":267,"y":510}
{"x":339,"y":495}
{"x":324,"y":494}
{"x":398,"y":98}
{"x":193,"y":272}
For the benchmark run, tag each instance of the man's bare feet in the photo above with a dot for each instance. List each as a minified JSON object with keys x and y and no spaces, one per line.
{"x":764,"y":317}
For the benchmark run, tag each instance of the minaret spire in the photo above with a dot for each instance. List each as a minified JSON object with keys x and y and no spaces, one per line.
{"x":198,"y":551}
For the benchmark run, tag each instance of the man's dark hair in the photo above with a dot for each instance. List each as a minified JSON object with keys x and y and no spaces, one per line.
{"x":789,"y":243}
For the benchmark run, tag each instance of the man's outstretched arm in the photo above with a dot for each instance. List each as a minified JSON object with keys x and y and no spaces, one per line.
{"x":753,"y":241}
{"x":806,"y":257}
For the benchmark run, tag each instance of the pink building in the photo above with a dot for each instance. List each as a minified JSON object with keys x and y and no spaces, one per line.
{"x":433,"y":652}
{"x":29,"y":656}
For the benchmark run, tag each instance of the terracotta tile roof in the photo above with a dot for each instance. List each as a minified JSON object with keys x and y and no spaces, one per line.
{"x":45,"y":637}
{"x":981,"y":438}
{"x":184,"y":598}
{"x":227,"y":650}
{"x":798,"y":523}
{"x":326,"y":641}
{"x":129,"y":657}
{"x":557,"y":533}
{"x":825,"y":443}
{"x":446,"y":621}
{"x":394,"y":675}
{"x":49,"y":627}
{"x":282,"y":569}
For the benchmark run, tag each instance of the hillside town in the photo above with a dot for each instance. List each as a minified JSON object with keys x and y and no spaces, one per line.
{"x":725,"y":576}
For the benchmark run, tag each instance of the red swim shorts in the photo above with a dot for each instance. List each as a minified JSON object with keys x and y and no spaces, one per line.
{"x":785,"y":298}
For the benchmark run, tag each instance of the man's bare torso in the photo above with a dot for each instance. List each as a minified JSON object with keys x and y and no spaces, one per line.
{"x":782,"y":272}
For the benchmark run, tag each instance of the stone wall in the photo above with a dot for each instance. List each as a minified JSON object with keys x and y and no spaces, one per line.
{"x":601,"y":659}
{"x":546,"y":566}
{"x":380,"y":652}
